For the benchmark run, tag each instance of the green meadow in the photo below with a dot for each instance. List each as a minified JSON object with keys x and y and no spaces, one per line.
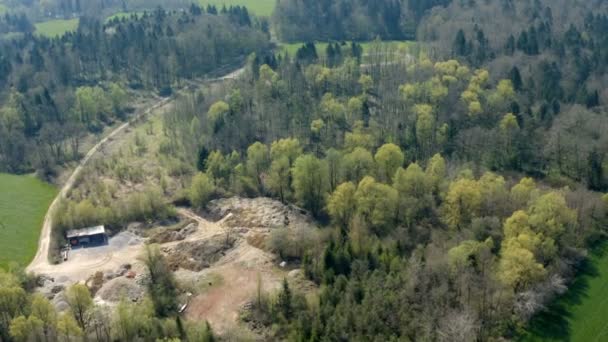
{"x":258,"y":7}
{"x":56,"y":28}
{"x":24,"y":201}
{"x":581,"y":314}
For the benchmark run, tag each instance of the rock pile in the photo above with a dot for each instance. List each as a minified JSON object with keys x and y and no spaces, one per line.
{"x":258,"y":213}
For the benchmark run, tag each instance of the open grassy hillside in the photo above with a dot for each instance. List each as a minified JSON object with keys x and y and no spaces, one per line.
{"x":56,"y":28}
{"x":581,"y":315}
{"x":258,"y":7}
{"x":23,"y":204}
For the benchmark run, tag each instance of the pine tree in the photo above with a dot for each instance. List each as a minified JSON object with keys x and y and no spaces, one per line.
{"x":460,"y":44}
{"x":284,"y":301}
{"x":595,"y":177}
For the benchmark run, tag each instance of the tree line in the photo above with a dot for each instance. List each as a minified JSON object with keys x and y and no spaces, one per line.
{"x":423,"y":107}
{"x":323,"y":20}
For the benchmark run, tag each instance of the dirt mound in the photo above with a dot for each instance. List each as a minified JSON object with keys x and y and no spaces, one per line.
{"x":257,"y":213}
{"x":176,"y":233}
{"x":198,"y":255}
{"x":122,"y":287}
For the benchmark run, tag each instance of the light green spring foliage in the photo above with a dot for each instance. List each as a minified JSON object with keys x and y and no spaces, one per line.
{"x":289,"y":148}
{"x":462,"y":203}
{"x":334,"y":166}
{"x":341,"y":205}
{"x":468,"y":253}
{"x":279,"y":177}
{"x":436,"y":170}
{"x":331,"y":109}
{"x":79,"y":299}
{"x":524,"y":191}
{"x":389,"y":158}
{"x":23,"y":329}
{"x":316,"y":126}
{"x":216,"y":166}
{"x":310,"y":182}
{"x":550,"y":215}
{"x":518,"y":267}
{"x":358,"y":164}
{"x":359,"y":137}
{"x":414,"y":188}
{"x":503,"y":95}
{"x":258,"y":160}
{"x":412,"y":182}
{"x":366,"y":82}
{"x":201,"y":190}
{"x":508,"y":124}
{"x":532,"y":236}
{"x":217,"y":112}
{"x":376,"y":202}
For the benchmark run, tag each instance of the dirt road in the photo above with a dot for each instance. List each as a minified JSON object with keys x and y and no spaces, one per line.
{"x":41,"y":261}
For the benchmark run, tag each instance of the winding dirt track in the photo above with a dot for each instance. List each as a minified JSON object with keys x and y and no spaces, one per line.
{"x":41,"y":261}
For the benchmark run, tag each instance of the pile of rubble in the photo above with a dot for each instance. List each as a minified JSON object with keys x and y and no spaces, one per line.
{"x":121,"y":288}
{"x":258,"y":213}
{"x":198,"y":255}
{"x":178,"y":233}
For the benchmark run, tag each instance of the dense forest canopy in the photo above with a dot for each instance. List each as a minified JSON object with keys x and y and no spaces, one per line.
{"x":398,"y":157}
{"x":55,"y":90}
{"x":458,"y":184}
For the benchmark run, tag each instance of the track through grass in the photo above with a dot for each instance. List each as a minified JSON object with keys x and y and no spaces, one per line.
{"x":24,"y":201}
{"x":580,"y":315}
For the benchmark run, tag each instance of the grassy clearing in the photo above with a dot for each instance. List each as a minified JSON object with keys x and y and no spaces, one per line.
{"x":579,"y":315}
{"x":24,"y":201}
{"x":56,"y":28}
{"x":257,"y":7}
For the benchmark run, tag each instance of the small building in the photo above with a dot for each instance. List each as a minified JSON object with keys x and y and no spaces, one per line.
{"x":87,"y":237}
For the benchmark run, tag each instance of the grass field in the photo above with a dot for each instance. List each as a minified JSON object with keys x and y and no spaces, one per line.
{"x":56,"y":28}
{"x":258,"y":7}
{"x":580,"y":315}
{"x":23,"y":204}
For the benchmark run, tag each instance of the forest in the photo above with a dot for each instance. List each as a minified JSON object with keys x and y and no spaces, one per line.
{"x":57,"y":90}
{"x":427,"y":232}
{"x":458,"y":185}
{"x":301,"y":20}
